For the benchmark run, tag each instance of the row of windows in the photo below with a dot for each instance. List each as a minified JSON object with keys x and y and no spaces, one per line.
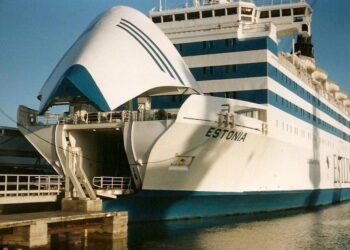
{"x":282,"y":12}
{"x":195,"y":15}
{"x":300,"y":91}
{"x":293,"y":109}
{"x":289,"y":128}
{"x":227,"y":45}
{"x":230,"y":42}
{"x":227,"y":69}
{"x":246,"y":12}
{"x":259,"y":96}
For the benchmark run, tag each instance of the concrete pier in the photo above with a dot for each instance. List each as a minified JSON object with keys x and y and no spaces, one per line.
{"x":78,"y":205}
{"x":33,"y":229}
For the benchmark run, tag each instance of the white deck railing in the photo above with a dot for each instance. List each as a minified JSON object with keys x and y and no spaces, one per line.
{"x":110,"y":182}
{"x":101,"y":117}
{"x":29,"y":185}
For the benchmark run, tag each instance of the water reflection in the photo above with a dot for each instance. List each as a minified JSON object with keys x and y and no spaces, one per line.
{"x":322,"y":228}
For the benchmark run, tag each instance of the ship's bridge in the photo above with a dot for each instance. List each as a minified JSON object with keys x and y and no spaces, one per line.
{"x":289,"y":16}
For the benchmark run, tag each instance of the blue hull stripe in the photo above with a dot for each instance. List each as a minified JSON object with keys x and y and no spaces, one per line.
{"x":131,"y":29}
{"x":226,"y":46}
{"x":161,"y":205}
{"x":261,"y":96}
{"x":288,"y":107}
{"x":265,"y":69}
{"x":148,"y":51}
{"x":264,"y":96}
{"x":219,"y":72}
{"x":156,"y":46}
{"x":289,"y":84}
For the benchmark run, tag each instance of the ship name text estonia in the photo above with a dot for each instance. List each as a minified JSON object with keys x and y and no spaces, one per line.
{"x":226,"y":134}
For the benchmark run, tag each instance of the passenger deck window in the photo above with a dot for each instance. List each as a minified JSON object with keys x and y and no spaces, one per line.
{"x":298,"y":11}
{"x":264,"y":14}
{"x":179,"y":17}
{"x":286,"y":12}
{"x":167,"y":18}
{"x":157,"y":19}
{"x":231,"y":11}
{"x":230,"y":68}
{"x":220,"y":12}
{"x":207,"y":44}
{"x":207,"y":13}
{"x":208,"y":70}
{"x":230,"y":42}
{"x":275,"y":13}
{"x":178,"y":47}
{"x":246,"y":11}
{"x":193,"y":15}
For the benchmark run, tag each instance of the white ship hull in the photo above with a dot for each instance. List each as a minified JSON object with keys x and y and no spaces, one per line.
{"x":267,"y":135}
{"x":195,"y":167}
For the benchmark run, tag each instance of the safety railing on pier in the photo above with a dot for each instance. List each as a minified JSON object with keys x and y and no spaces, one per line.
{"x":29,"y":185}
{"x":111,"y":182}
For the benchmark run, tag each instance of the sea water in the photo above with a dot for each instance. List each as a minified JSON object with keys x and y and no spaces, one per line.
{"x":319,"y":228}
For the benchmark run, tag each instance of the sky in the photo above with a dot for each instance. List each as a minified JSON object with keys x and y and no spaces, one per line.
{"x":35,"y":34}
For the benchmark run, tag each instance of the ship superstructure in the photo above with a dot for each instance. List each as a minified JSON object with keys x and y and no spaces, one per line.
{"x":231,"y":47}
{"x":233,"y":126}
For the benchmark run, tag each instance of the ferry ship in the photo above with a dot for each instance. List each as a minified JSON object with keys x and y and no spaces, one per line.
{"x":194,"y":112}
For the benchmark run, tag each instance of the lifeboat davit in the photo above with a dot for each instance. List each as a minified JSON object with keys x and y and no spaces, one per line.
{"x":331,"y":86}
{"x":346,"y":103}
{"x":316,"y":83}
{"x":309,"y":63}
{"x":340,"y":96}
{"x":319,"y":75}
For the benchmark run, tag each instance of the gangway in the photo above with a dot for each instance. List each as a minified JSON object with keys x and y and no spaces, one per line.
{"x":29,"y":188}
{"x":111,"y":186}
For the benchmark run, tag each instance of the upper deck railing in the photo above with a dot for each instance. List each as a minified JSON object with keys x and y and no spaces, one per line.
{"x":258,"y":3}
{"x":103,"y":117}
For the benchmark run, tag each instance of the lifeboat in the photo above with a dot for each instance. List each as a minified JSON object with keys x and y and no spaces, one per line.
{"x":309,"y":63}
{"x":319,"y":75}
{"x":294,"y":59}
{"x":331,"y":86}
{"x":346,"y":103}
{"x":340,"y":96}
{"x":316,"y":83}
